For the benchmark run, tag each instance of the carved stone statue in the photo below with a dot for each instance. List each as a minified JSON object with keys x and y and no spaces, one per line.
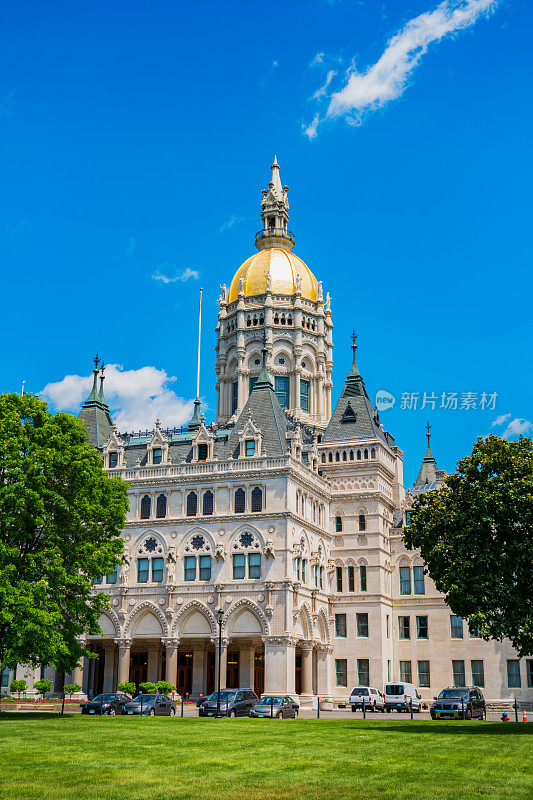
{"x":125,"y":569}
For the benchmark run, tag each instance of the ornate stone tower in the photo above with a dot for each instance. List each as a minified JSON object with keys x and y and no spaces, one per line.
{"x":275,"y":295}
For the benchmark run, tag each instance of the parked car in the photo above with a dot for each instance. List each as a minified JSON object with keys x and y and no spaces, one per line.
{"x":152,"y":705}
{"x":106,"y":704}
{"x":233,"y":703}
{"x":277,"y":707}
{"x":372,"y":698}
{"x":202,"y":699}
{"x":400,"y":695}
{"x":458,"y":702}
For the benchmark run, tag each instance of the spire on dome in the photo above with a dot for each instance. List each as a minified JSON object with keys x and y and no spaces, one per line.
{"x":275,"y":214}
{"x":101,"y":397}
{"x":263,"y":379}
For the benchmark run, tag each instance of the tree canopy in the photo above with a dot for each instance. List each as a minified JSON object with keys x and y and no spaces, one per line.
{"x":476,"y":536}
{"x":60,"y":524}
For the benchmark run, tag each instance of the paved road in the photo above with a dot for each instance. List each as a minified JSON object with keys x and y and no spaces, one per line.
{"x":342,"y":714}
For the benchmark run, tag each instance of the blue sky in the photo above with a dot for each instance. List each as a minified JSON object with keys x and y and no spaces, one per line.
{"x":135,"y":138}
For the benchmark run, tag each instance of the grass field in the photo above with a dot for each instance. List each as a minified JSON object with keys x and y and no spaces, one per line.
{"x":89,"y":758}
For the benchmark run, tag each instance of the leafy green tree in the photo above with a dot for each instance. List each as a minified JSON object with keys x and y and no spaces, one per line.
{"x":43,"y":686}
{"x":18,"y":686}
{"x":148,"y":687}
{"x":165,"y":687}
{"x":476,"y":536}
{"x":60,"y":524}
{"x":71,"y":688}
{"x":128,"y":687}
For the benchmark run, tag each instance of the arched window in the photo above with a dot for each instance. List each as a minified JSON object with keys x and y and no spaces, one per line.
{"x":146,"y":507}
{"x":323,"y":458}
{"x":207,"y":504}
{"x":192,"y":504}
{"x":366,"y":453}
{"x":257,"y":499}
{"x":161,"y":506}
{"x":362,"y":522}
{"x":240,"y":501}
{"x":338,"y":524}
{"x":351,"y":455}
{"x":344,"y":455}
{"x":330,"y":457}
{"x":336,"y":456}
{"x":359,"y":455}
{"x":372,"y":453}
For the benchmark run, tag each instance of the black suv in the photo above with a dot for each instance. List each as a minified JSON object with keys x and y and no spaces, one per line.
{"x":458,"y":702}
{"x":233,"y":703}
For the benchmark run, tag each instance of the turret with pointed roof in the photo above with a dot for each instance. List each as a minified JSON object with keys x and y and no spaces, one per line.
{"x":354,"y":416}
{"x":429,"y":473}
{"x":95,"y":411}
{"x":275,"y":214}
{"x":264,"y":409}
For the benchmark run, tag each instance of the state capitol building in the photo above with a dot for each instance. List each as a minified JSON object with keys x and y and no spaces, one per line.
{"x":287,"y":513}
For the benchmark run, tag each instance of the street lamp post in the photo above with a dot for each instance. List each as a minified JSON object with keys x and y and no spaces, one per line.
{"x":220,"y":616}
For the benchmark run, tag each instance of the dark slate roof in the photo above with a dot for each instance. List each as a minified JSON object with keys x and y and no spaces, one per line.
{"x":95,"y":415}
{"x":265,"y":411}
{"x":354,"y":416}
{"x":430,"y":475}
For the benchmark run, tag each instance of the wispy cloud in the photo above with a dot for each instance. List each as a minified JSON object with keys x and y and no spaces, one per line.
{"x":517,"y":427}
{"x":501,"y":419}
{"x":136,"y":397}
{"x":311,"y":129}
{"x":318,"y":59}
{"x":230,"y":223}
{"x":387,"y":79}
{"x":186,"y":275}
{"x":322,"y":91}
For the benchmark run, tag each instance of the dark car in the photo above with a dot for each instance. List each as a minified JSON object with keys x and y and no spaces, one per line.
{"x":275,"y":707}
{"x":106,"y":704}
{"x":202,"y":699}
{"x":233,"y":703}
{"x":458,"y":702}
{"x":151,"y":705}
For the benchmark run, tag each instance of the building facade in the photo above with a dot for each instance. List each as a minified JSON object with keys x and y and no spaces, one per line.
{"x":286,"y":513}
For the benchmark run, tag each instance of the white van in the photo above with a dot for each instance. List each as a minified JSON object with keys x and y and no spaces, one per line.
{"x":399,"y":695}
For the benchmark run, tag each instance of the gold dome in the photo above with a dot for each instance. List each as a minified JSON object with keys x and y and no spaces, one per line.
{"x":283,"y":268}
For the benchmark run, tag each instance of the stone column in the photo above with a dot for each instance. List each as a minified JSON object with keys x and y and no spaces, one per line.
{"x":199,"y":657}
{"x":153,"y":663}
{"x":124,"y":647}
{"x":171,"y":674}
{"x":109,"y":667}
{"x":77,"y":673}
{"x":307,"y":669}
{"x":247,"y":667}
{"x":279,"y":664}
{"x":324,"y":664}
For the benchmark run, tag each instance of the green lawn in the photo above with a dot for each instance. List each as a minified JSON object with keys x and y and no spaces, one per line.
{"x":89,"y":758}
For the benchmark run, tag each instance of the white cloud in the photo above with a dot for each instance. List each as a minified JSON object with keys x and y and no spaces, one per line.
{"x":387,"y":79}
{"x":136,"y":397}
{"x":185,"y":275}
{"x":517,"y":427}
{"x":310,"y":130}
{"x":230,"y":223}
{"x":322,"y":91}
{"x":318,"y":59}
{"x":501,"y":419}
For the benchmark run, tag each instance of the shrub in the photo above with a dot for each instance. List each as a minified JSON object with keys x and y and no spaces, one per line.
{"x":18,"y":686}
{"x":71,"y":688}
{"x":128,"y":687}
{"x":165,"y":687}
{"x":43,"y":686}
{"x":148,"y":687}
